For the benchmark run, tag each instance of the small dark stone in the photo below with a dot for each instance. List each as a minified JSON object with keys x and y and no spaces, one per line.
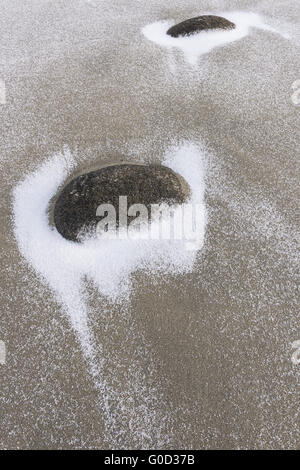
{"x":200,"y":23}
{"x":76,"y":206}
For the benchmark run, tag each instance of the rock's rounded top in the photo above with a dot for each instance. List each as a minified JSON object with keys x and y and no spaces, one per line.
{"x":76,"y":205}
{"x":199,"y":23}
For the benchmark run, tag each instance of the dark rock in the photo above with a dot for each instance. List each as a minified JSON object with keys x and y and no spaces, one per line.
{"x":76,"y":206}
{"x":200,"y":23}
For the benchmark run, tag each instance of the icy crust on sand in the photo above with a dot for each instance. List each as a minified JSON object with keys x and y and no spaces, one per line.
{"x":203,"y":42}
{"x":108,"y":264}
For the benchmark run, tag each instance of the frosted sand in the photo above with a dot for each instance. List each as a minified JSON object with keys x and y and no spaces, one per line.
{"x":108,"y":264}
{"x":196,"y":351}
{"x":201,"y":43}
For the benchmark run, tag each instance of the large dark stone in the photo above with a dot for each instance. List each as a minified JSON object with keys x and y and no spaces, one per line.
{"x":200,"y":23}
{"x":76,"y":205}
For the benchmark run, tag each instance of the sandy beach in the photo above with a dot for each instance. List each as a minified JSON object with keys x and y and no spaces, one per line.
{"x":198,"y":355}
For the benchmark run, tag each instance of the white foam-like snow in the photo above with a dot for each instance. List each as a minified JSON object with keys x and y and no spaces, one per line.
{"x":195,"y":45}
{"x":108,"y":264}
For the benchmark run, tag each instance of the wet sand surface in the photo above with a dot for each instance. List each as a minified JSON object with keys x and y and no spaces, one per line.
{"x":190,"y":361}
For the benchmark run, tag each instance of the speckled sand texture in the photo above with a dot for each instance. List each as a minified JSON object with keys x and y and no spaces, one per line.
{"x":125,"y":345}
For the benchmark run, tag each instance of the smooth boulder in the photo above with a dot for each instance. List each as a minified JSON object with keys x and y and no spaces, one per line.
{"x":76,"y":206}
{"x":199,"y":23}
